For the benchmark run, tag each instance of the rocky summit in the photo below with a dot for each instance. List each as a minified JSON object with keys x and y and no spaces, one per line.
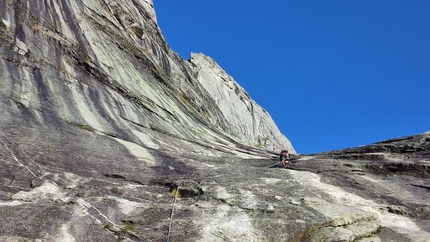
{"x":106,"y":134}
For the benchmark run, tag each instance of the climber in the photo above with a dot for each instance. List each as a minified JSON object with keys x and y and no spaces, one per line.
{"x":284,"y":157}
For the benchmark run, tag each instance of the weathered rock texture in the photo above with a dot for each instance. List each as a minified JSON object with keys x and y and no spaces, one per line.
{"x":106,"y":65}
{"x":105,"y":131}
{"x":248,"y":120}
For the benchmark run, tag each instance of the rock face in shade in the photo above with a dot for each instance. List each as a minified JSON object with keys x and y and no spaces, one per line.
{"x":248,"y":120}
{"x":102,"y":126}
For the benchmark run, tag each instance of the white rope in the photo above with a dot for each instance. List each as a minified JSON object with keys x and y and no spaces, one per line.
{"x":173,"y":209}
{"x":16,"y":159}
{"x":191,"y":181}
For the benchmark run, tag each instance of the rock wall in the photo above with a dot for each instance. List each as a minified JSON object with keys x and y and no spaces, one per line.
{"x":107,"y":56}
{"x":108,"y":135}
{"x":248,"y":120}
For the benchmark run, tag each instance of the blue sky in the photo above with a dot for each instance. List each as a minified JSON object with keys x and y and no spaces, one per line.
{"x":332,"y":74}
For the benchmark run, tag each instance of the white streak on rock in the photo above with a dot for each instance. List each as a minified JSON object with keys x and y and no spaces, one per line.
{"x":146,"y":139}
{"x":138,"y":151}
{"x":270,"y":180}
{"x":6,"y":23}
{"x":12,"y":203}
{"x":46,"y":190}
{"x":127,"y":206}
{"x":65,"y":236}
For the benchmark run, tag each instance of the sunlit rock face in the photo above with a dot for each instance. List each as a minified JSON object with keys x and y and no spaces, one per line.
{"x":104,"y":131}
{"x":106,"y":65}
{"x":149,"y":7}
{"x":248,"y":120}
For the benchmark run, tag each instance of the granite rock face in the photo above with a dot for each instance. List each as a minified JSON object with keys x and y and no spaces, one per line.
{"x":105,"y":64}
{"x":248,"y":120}
{"x":108,"y":135}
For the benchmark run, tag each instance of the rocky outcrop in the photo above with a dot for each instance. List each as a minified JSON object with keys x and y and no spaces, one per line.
{"x":108,"y":135}
{"x":247,"y":119}
{"x":391,"y":176}
{"x":82,"y":190}
{"x":106,"y":65}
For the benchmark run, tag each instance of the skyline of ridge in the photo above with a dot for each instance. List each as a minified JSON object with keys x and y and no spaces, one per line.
{"x":332,"y":75}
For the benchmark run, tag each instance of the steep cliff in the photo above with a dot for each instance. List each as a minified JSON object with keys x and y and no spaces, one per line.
{"x":107,"y":134}
{"x":106,"y":65}
{"x":248,"y":120}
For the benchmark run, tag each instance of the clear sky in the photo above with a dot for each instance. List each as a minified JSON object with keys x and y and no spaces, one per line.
{"x":332,"y":74}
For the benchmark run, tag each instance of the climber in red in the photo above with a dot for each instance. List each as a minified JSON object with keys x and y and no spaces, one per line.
{"x":284,"y":157}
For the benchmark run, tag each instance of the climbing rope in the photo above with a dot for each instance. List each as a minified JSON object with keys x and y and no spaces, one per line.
{"x":173,"y":209}
{"x":191,"y":180}
{"x":176,"y":196}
